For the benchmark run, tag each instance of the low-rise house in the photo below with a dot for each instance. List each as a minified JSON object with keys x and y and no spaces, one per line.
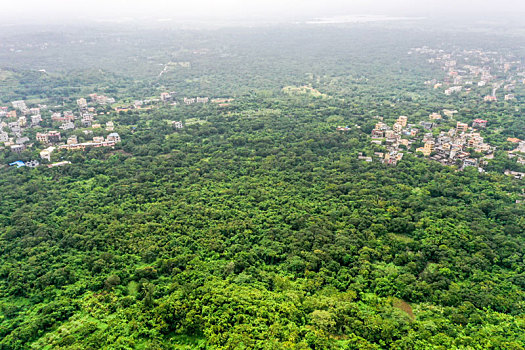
{"x":378,"y":133}
{"x":32,"y":164}
{"x":389,"y":134}
{"x":54,"y":165}
{"x":381,"y":126}
{"x":189,"y":101}
{"x":72,"y":140}
{"x":470,"y":162}
{"x":19,"y":105}
{"x":165,"y":96}
{"x":449,"y":113}
{"x":36,"y":120}
{"x":515,"y":174}
{"x":113,"y":137}
{"x":98,"y":139}
{"x":521,"y":147}
{"x":393,"y":158}
{"x":110,"y":126}
{"x":4,"y":137}
{"x":18,"y":148}
{"x":22,"y":140}
{"x":479,"y":123}
{"x":22,"y":121}
{"x":452,"y":90}
{"x":366,"y":159}
{"x":82,"y":103}
{"x":427,"y":125}
{"x":46,"y":153}
{"x":67,"y":126}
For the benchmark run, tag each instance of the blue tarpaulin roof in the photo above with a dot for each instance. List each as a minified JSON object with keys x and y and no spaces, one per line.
{"x":18,"y":164}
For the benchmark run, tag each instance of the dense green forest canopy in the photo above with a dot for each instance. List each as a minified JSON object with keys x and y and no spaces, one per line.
{"x":258,"y":227}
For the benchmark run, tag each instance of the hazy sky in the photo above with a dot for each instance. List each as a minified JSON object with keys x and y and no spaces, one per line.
{"x":60,"y":10}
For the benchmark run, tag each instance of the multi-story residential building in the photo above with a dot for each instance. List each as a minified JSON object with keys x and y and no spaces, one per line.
{"x":67,"y":126}
{"x":19,"y":105}
{"x":18,"y":148}
{"x":461,"y":127}
{"x":53,"y":136}
{"x":403,"y":120}
{"x":36,"y":119}
{"x":4,"y":137}
{"x":397,"y":127}
{"x":42,"y":137}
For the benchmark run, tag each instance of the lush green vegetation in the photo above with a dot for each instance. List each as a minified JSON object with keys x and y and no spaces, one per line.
{"x":260,"y":228}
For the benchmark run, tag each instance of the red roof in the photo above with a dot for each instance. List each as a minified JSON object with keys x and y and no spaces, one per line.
{"x":480,"y":121}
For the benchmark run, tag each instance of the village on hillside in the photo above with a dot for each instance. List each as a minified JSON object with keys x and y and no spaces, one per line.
{"x":46,"y":130}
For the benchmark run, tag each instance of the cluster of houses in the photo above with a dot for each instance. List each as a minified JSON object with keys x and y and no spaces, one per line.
{"x":100,"y":99}
{"x":393,"y":137}
{"x":169,"y":98}
{"x":192,"y":100}
{"x":456,"y":145}
{"x":449,"y":148}
{"x":468,"y":69}
{"x":98,"y":141}
{"x":16,"y":122}
{"x":18,"y":118}
{"x":519,"y":152}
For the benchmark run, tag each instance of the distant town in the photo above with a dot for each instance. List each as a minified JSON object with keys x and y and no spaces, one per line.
{"x":494,"y":73}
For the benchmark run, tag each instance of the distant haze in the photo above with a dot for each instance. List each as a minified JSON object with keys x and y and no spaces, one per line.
{"x":60,"y":11}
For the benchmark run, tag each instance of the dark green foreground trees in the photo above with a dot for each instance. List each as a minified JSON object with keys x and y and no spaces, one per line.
{"x":259,"y":231}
